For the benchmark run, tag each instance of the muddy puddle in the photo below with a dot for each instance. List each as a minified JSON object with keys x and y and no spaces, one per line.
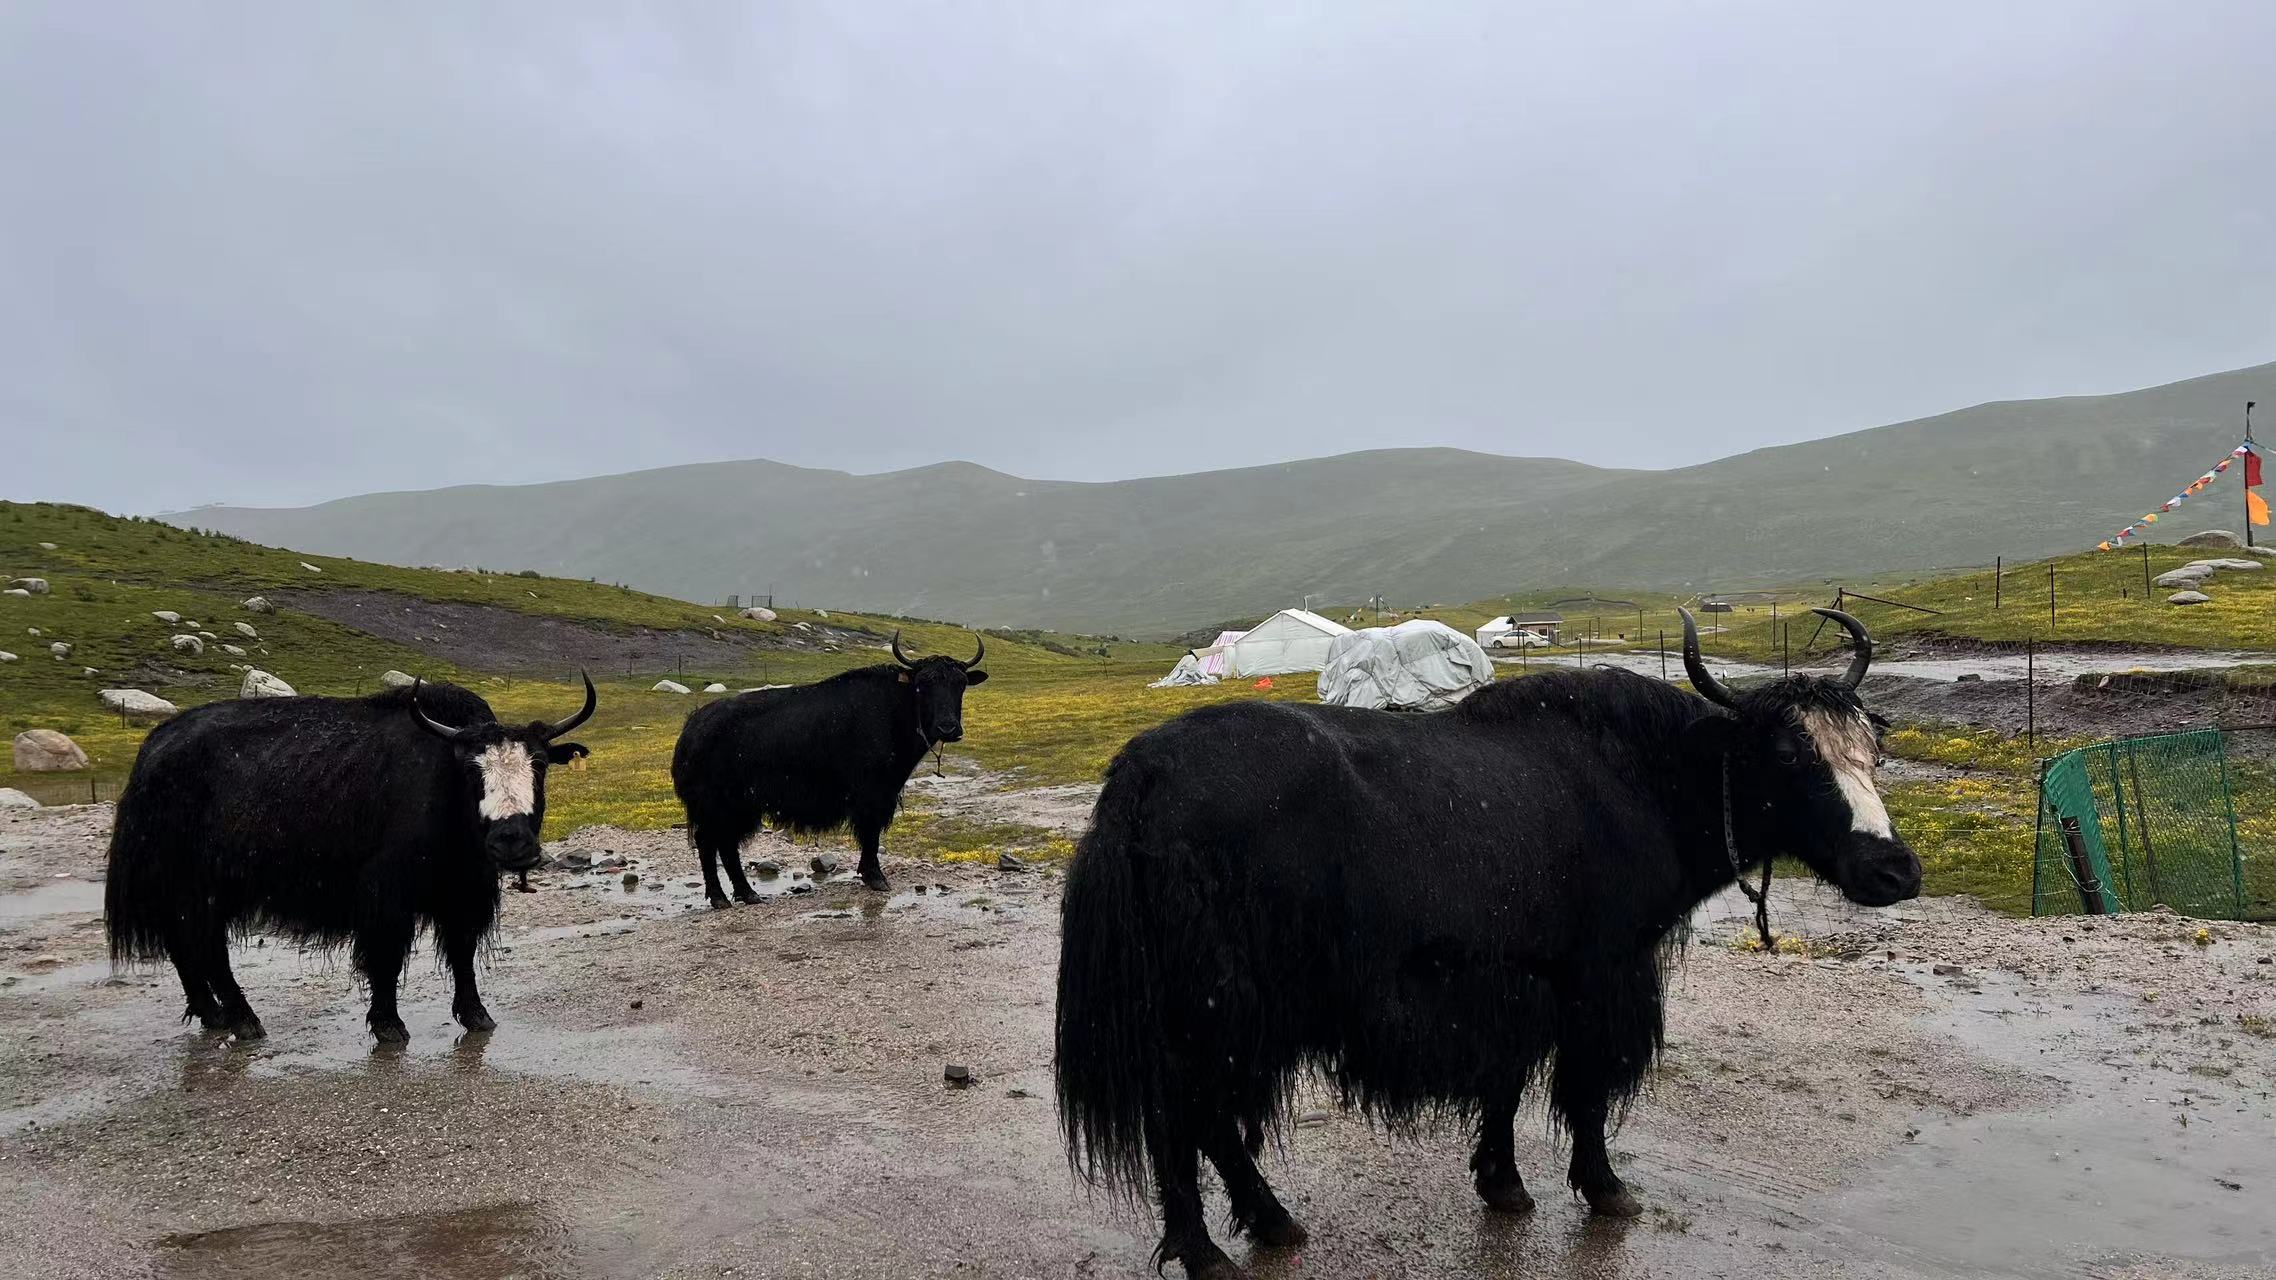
{"x":2051,"y":665}
{"x":496,"y":1242}
{"x":838,"y":897}
{"x":64,"y":896}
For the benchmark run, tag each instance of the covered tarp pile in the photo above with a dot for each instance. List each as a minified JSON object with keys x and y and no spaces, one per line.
{"x":1414,"y":666}
{"x":1187,"y":671}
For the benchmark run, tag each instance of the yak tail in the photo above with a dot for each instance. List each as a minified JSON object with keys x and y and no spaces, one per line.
{"x":138,"y":900}
{"x":1107,"y":1062}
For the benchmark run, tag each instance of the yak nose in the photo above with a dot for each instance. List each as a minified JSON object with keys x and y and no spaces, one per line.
{"x":513,"y":847}
{"x":1887,"y":880}
{"x":952,"y":731}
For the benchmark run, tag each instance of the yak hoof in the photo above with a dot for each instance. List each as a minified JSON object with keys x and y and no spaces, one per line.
{"x":1280,"y":1231}
{"x":876,"y":880}
{"x":391,"y":1031}
{"x":717,"y":900}
{"x":746,"y":895}
{"x":474,"y":1017}
{"x":248,"y":1028}
{"x":1615,"y":1201}
{"x":210,"y":1019}
{"x":1219,"y":1267}
{"x":1506,"y":1195}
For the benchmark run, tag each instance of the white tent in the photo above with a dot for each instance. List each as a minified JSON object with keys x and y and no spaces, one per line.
{"x":1495,"y":630}
{"x":1187,"y":671}
{"x":1290,"y":640}
{"x":1216,"y":658}
{"x":1415,"y":666}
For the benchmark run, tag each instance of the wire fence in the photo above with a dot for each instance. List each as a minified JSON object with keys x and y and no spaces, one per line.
{"x":2174,"y":820}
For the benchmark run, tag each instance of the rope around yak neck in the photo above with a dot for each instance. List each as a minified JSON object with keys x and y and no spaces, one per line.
{"x":1759,"y":897}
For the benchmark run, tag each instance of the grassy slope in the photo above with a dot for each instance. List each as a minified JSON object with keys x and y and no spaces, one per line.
{"x":1156,"y":556}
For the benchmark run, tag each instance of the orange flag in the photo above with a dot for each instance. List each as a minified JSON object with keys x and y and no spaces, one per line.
{"x":2256,"y":505}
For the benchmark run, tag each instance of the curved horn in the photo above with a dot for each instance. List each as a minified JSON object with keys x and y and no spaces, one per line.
{"x":429,"y":723}
{"x":1858,"y":636}
{"x":899,"y":656}
{"x":983,"y":652}
{"x":1695,"y":666}
{"x":592,"y":700}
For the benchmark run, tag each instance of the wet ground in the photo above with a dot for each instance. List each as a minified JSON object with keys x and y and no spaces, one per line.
{"x":1926,"y":1091}
{"x":2053,"y":664}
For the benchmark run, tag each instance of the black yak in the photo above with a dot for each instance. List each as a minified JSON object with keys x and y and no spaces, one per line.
{"x":331,"y":820}
{"x":814,"y":758}
{"x":1426,"y":912}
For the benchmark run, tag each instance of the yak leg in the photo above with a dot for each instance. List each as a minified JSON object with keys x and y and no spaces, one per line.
{"x":1608,"y":1031}
{"x":382,"y":945}
{"x":871,"y":871}
{"x":1493,"y":1166}
{"x":1256,"y":1210}
{"x":229,"y":999}
{"x":711,"y":890}
{"x":202,"y":1006}
{"x":732,"y":855}
{"x":459,"y":944}
{"x":1177,"y":1173}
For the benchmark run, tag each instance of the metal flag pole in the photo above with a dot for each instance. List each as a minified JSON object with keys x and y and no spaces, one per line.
{"x":2247,"y":487}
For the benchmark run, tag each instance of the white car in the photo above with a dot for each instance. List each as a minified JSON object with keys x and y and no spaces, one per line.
{"x":1519,"y":639}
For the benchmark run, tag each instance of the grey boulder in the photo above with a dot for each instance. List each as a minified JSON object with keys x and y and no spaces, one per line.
{"x":46,"y":751}
{"x":260,"y":684}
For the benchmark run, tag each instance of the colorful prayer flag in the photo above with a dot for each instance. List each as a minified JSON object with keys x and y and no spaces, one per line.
{"x":2256,"y":507}
{"x":2252,"y":470}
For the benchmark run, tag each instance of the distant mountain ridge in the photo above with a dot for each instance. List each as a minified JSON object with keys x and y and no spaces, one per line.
{"x":1154,"y":556}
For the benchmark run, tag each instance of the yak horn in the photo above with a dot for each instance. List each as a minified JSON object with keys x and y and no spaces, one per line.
{"x":1860,"y":637}
{"x":1695,"y":666}
{"x":432,"y":725}
{"x":983,"y":652}
{"x":899,"y":656}
{"x":592,"y":700}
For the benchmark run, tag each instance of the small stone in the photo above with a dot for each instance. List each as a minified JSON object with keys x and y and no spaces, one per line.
{"x":395,"y":680}
{"x":1946,"y":970}
{"x":767,"y":868}
{"x":260,"y":684}
{"x":208,"y":636}
{"x":715,"y":687}
{"x":1009,"y":862}
{"x":30,"y":586}
{"x":639,"y":1004}
{"x":188,"y":644}
{"x":956,"y":1073}
{"x":258,"y":604}
{"x":6,"y":656}
{"x":1312,"y":1120}
{"x":167,"y":616}
{"x":47,"y":546}
{"x":802,"y":886}
{"x":823,"y":864}
{"x":2189,"y":597}
{"x":668,"y":686}
{"x":1969,"y":677}
{"x":631,"y":878}
{"x":311,"y":568}
{"x":17,"y":591}
{"x":61,"y":649}
{"x":246,"y":630}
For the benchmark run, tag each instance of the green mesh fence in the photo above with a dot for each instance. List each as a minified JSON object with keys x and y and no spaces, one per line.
{"x":2157,"y":824}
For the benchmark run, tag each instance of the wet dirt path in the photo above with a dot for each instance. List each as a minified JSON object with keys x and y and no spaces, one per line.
{"x":758,"y":1092}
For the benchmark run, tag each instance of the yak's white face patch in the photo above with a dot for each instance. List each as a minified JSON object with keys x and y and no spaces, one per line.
{"x":509,"y":780}
{"x":1850,"y":748}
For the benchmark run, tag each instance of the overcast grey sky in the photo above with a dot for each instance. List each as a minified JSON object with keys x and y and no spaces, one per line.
{"x":276,"y":253}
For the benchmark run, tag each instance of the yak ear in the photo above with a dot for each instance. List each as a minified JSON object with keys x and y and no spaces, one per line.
{"x":564,"y":752}
{"x":975,"y":677}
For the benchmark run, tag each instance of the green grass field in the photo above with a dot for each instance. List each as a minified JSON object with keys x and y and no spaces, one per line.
{"x":1056,"y":709}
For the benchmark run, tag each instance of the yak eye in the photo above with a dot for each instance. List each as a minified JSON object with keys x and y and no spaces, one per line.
{"x":1791,"y":754}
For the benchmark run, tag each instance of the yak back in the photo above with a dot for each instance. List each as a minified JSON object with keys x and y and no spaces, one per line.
{"x":802,"y":758}
{"x":284,"y":813}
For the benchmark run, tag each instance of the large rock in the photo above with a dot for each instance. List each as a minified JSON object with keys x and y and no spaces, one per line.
{"x":246,"y":630}
{"x":2189,"y":597}
{"x":2190,"y":576}
{"x":715,"y":687}
{"x":188,"y":644}
{"x":259,"y":604}
{"x":395,"y":680}
{"x":136,"y":704}
{"x":36,"y":586}
{"x":757,"y":613}
{"x":167,"y":616}
{"x":10,"y":798}
{"x":2213,"y":538}
{"x":260,"y":684}
{"x":668,"y":686}
{"x":2238,"y":563}
{"x":46,"y":751}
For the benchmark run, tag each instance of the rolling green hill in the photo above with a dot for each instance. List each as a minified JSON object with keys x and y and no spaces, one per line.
{"x":1156,"y":556}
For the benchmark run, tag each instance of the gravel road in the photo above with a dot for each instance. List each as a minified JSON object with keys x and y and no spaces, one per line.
{"x":674,"y":1091}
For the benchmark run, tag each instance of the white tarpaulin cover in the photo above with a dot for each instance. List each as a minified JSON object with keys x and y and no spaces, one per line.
{"x":1415,"y":666}
{"x":1187,"y":671}
{"x":1290,"y":640}
{"x":1216,"y":659}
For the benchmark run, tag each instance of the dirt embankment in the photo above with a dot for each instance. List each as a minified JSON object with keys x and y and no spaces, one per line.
{"x":490,"y":638}
{"x":676,"y":1091}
